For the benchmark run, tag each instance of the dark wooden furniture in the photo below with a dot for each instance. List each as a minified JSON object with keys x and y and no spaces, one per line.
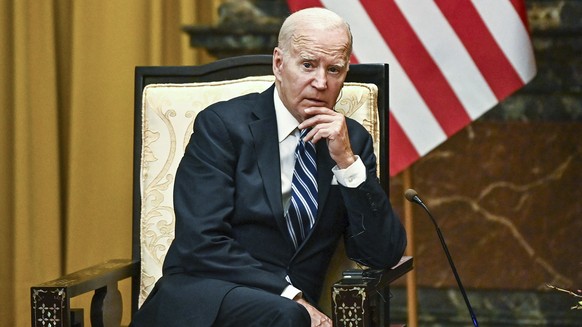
{"x":364,"y":292}
{"x":362,"y":297}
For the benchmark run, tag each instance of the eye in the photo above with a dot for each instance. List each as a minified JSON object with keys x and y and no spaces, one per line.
{"x":334,"y":70}
{"x":307,"y":64}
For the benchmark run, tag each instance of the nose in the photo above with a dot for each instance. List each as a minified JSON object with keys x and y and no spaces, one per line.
{"x":320,"y":79}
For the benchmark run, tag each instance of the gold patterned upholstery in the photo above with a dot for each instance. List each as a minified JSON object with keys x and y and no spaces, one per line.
{"x":168,"y":113}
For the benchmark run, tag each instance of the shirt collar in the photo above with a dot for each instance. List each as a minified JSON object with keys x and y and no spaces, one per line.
{"x":286,"y":123}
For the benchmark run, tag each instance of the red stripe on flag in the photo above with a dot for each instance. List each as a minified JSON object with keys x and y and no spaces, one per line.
{"x":401,"y":152}
{"x":482,"y":47}
{"x":295,"y":5}
{"x":418,"y":65}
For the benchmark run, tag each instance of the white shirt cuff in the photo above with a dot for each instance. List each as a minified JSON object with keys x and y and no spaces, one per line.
{"x":291,"y":292}
{"x":352,"y":176}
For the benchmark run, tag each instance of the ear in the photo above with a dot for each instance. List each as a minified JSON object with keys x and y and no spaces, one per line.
{"x":277,"y":62}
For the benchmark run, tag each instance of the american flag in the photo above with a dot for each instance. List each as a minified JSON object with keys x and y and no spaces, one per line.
{"x":450,"y":61}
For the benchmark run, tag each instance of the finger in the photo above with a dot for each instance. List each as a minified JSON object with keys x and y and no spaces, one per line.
{"x":319,"y":115}
{"x":331,"y":131}
{"x":323,"y":123}
{"x":325,"y":321}
{"x":316,"y":133}
{"x":319,"y":111}
{"x":312,"y":122}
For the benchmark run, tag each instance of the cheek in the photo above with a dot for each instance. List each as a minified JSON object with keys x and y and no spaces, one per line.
{"x":297,"y":89}
{"x":335,"y":89}
{"x":336,"y":84}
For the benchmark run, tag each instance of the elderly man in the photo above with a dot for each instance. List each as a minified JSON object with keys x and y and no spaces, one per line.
{"x":268,"y":185}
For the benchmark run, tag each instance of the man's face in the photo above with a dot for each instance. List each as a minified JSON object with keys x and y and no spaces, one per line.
{"x":312,"y":71}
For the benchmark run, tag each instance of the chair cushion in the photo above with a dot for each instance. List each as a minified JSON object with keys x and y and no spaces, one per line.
{"x":168,"y":113}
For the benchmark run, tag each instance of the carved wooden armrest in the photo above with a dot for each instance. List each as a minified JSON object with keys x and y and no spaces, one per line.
{"x":361,"y":297}
{"x":50,"y":301}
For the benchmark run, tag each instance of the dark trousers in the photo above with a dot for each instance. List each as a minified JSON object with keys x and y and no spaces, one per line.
{"x":245,"y":306}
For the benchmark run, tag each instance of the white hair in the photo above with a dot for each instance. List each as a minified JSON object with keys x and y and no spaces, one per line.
{"x":319,"y":18}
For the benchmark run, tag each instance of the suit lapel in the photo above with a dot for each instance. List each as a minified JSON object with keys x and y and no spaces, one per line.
{"x":264,"y":134}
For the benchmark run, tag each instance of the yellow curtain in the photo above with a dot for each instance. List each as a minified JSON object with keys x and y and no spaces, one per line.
{"x":66,"y":116}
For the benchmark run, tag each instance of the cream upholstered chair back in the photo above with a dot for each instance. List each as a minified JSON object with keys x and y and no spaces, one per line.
{"x":166,"y":119}
{"x":168,"y":115}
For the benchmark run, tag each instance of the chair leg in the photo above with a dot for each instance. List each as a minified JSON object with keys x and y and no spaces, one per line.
{"x":77,"y":317}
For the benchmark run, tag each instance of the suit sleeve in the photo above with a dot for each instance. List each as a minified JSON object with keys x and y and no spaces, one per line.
{"x":204,"y":202}
{"x":375,"y":236}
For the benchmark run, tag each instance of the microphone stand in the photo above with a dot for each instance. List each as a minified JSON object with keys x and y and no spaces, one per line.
{"x":416,"y":199}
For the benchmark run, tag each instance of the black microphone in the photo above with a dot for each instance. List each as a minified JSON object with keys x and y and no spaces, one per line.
{"x":412,"y":196}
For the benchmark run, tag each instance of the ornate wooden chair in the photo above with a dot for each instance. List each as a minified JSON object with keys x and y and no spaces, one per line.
{"x":167,"y":100}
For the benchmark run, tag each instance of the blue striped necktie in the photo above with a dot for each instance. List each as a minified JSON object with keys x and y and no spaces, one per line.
{"x":303,"y":208}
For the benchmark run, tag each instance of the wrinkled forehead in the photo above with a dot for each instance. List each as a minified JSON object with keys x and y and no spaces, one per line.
{"x":313,"y":44}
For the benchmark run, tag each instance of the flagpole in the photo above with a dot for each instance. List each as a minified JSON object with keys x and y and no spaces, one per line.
{"x":411,"y":299}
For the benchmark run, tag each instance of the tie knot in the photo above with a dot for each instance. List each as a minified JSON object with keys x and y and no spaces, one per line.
{"x":303,"y":132}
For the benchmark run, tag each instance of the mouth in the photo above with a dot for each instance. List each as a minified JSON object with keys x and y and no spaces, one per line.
{"x":316,"y":102}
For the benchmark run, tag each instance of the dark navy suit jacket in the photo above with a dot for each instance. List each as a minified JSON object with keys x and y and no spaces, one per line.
{"x":230,"y":226}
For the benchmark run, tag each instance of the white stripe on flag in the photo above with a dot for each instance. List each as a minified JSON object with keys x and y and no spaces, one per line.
{"x":406,"y":105}
{"x":501,"y":17}
{"x":450,"y":55}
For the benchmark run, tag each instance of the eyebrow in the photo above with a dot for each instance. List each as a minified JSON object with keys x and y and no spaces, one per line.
{"x":305,"y":57}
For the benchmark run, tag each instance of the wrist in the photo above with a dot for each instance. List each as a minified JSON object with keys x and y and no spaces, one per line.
{"x":346,"y":162}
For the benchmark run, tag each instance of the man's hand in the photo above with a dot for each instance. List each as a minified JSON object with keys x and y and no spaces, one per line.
{"x":331,"y":126}
{"x":318,"y":319}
